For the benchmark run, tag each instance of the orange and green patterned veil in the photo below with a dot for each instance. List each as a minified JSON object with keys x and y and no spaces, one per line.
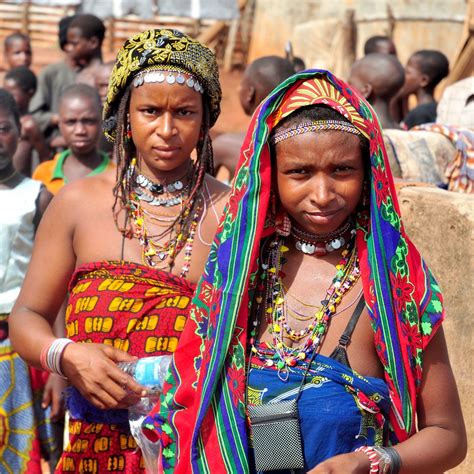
{"x":201,"y":420}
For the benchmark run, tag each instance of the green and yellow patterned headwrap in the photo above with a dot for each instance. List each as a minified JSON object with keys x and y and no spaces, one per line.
{"x":167,"y":48}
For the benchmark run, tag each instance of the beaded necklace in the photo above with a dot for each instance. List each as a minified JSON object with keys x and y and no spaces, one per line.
{"x":183,"y":228}
{"x":271,"y":303}
{"x":153,"y":252}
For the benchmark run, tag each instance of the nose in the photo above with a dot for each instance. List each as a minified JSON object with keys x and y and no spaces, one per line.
{"x":321,"y":192}
{"x":166,"y":128}
{"x":79,"y":128}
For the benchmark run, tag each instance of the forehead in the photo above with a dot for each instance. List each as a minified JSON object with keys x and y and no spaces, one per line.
{"x":6,"y":116}
{"x":18,"y":44}
{"x":316,"y":147}
{"x":74,"y":32}
{"x":161,"y":93}
{"x":74,"y":106}
{"x":414,"y":62}
{"x":11,"y":84}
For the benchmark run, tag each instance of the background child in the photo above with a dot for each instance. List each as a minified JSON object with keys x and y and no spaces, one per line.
{"x":80,"y":125}
{"x":32,"y":148}
{"x":17,"y":50}
{"x":423,"y":72}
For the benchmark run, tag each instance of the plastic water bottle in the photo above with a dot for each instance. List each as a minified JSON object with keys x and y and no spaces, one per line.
{"x":151,"y":373}
{"x":148,"y":371}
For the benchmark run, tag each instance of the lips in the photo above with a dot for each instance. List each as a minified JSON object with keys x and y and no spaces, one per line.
{"x":322,"y":213}
{"x":165,"y":148}
{"x":321,"y":218}
{"x":166,"y":152}
{"x":80,"y":143}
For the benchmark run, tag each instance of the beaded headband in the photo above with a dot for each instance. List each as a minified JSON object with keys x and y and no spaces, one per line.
{"x":315,"y":126}
{"x":170,"y":75}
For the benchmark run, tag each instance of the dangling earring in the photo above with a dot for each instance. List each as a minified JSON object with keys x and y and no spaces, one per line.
{"x":128,"y":133}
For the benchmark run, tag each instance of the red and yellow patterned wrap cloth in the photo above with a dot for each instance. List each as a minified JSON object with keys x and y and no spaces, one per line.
{"x":137,"y":309}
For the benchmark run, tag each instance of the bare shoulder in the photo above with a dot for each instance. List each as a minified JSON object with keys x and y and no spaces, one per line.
{"x":90,"y":193}
{"x":219,"y":191}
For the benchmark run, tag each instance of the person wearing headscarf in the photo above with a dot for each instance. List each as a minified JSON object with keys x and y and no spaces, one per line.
{"x":126,"y":247}
{"x":312,"y":294}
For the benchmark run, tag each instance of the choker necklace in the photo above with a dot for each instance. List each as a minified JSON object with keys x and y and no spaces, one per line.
{"x":159,"y":188}
{"x":155,"y":201}
{"x":321,"y":244}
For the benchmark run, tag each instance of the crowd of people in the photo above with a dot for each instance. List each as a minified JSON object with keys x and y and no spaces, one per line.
{"x":273,"y":265}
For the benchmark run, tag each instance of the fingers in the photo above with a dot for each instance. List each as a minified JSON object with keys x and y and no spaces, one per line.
{"x":117,"y":355}
{"x":92,"y":368}
{"x":126,"y":382}
{"x":113,"y":395}
{"x":46,"y":399}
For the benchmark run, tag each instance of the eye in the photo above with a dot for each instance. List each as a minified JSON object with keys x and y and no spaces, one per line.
{"x":150,"y":110}
{"x":184,"y":112}
{"x":297,"y":171}
{"x":343,"y":168}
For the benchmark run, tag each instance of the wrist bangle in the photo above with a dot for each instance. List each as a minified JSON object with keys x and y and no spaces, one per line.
{"x":395,"y":460}
{"x":51,"y":354}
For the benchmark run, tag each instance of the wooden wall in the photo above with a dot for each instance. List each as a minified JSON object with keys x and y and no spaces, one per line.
{"x":413,"y":25}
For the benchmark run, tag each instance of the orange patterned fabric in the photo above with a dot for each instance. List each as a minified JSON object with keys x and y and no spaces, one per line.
{"x":134,"y":308}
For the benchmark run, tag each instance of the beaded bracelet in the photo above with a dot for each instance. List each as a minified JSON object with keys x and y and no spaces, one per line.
{"x":373,"y":457}
{"x":382,"y":460}
{"x":50,"y":358}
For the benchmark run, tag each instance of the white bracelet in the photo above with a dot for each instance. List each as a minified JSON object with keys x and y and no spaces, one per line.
{"x":51,"y":355}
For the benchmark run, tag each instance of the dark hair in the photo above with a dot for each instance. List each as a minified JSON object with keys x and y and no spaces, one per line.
{"x":62,"y":32}
{"x":269,"y":71}
{"x":90,"y":26}
{"x":434,"y":64}
{"x":8,"y":105}
{"x":124,"y":151}
{"x":313,"y":113}
{"x":24,"y":78}
{"x":298,"y":64}
{"x":11,"y":38}
{"x":83,"y":91}
{"x":371,"y":45}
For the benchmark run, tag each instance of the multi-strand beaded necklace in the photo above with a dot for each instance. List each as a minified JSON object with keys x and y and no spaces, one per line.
{"x":271,"y":301}
{"x":181,"y":234}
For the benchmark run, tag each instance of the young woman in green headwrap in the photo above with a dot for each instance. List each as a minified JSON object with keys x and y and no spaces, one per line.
{"x":127,"y":247}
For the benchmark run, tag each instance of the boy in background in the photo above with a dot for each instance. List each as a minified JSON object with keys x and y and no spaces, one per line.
{"x":21,"y":83}
{"x":379,"y":77}
{"x":424,"y":71}
{"x":80,"y":125}
{"x":80,"y":37}
{"x":17,"y":50}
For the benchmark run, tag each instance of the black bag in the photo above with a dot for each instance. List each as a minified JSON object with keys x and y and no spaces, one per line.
{"x":276,"y":436}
